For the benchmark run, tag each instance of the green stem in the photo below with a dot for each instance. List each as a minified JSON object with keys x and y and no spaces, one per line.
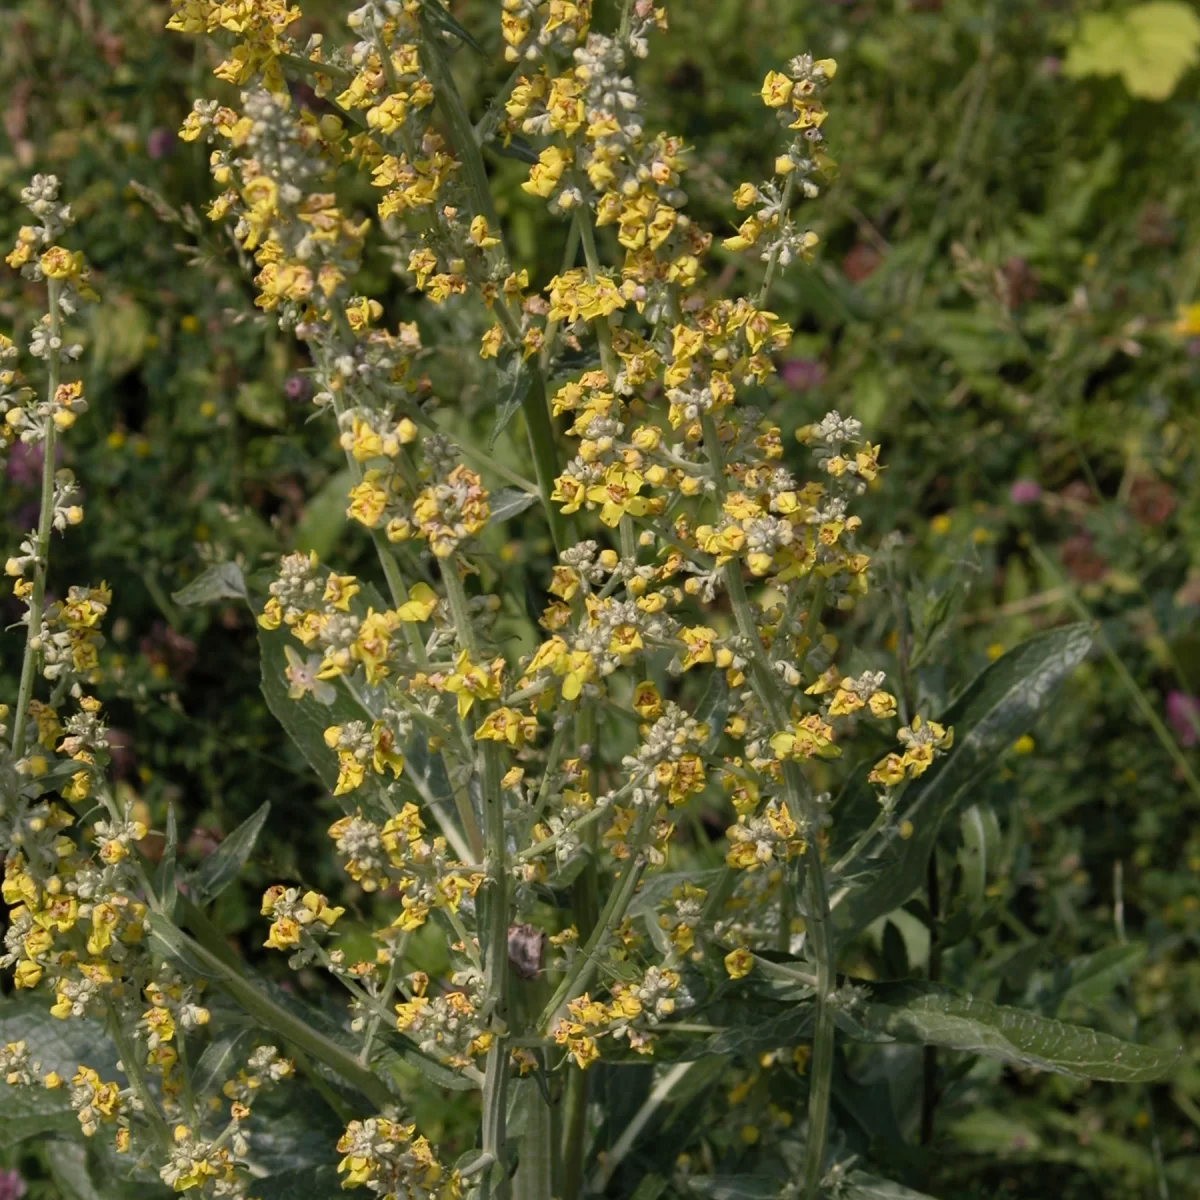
{"x":533,"y":404}
{"x":128,"y":1050}
{"x":495,"y":1085}
{"x":535,"y":1174}
{"x":41,"y":565}
{"x":292,"y":1028}
{"x":587,"y":961}
{"x":785,"y":204}
{"x":495,"y":1182}
{"x":585,"y":896}
{"x":629,"y":1135}
{"x":803,"y":809}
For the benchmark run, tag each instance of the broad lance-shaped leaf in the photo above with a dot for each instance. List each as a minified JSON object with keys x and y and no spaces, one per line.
{"x":922,"y":1013}
{"x":508,"y":502}
{"x":1092,"y":977}
{"x":738,"y":1187}
{"x":223,"y":581}
{"x":222,"y":867}
{"x":997,"y":708}
{"x":861,"y":1186}
{"x":57,"y":1046}
{"x":514,"y":378}
{"x":306,"y":719}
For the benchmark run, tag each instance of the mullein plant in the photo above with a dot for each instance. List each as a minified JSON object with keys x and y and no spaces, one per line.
{"x":539,"y":809}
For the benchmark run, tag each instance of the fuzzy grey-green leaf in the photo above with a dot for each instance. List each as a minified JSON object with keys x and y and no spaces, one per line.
{"x":931,"y":1017}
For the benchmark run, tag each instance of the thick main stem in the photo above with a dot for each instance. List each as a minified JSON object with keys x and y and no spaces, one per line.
{"x":495,"y":1182}
{"x":37,"y":600}
{"x":533,"y":403}
{"x":802,"y":807}
{"x":587,"y":960}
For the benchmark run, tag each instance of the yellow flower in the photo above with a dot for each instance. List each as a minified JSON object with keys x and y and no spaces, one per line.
{"x":776,"y":90}
{"x":738,"y":963}
{"x":316,"y":904}
{"x":420,"y":605}
{"x":340,"y":590}
{"x":646,"y":701}
{"x":283,"y":935}
{"x":367,"y":501}
{"x":507,"y":725}
{"x":471,"y":682}
{"x":1188,"y":322}
{"x":545,"y":173}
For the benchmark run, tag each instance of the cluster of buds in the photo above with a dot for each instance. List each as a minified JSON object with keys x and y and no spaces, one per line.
{"x":390,"y":1159}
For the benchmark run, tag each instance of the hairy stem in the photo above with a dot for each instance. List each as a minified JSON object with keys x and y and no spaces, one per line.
{"x":533,"y":404}
{"x":127,"y":1048}
{"x":587,"y":961}
{"x":495,"y":1182}
{"x":33,"y":634}
{"x":802,"y":806}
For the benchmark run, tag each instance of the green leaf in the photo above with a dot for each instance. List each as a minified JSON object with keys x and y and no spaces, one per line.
{"x":738,"y":1187}
{"x":324,"y":516}
{"x":304,"y":720}
{"x":750,"y":1038}
{"x":515,"y":377}
{"x":222,"y":581}
{"x":389,"y":1054}
{"x":439,"y":17}
{"x":508,"y":502}
{"x":921,"y":1013}
{"x":1150,"y":46}
{"x":713,"y":709}
{"x":261,"y":404}
{"x":94,"y":1171}
{"x":986,"y":1131}
{"x":223,"y":866}
{"x":1091,"y":977}
{"x":861,"y":1186}
{"x":68,"y":1165}
{"x":296,"y":1130}
{"x":56,"y":1046}
{"x":997,"y":708}
{"x":176,"y":948}
{"x":220,"y":1061}
{"x":321,"y":1183}
{"x":651,"y":1187}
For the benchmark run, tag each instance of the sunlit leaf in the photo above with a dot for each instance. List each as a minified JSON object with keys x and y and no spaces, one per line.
{"x":1150,"y":46}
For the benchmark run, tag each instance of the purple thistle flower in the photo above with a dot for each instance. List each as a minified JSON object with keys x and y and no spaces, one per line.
{"x":802,"y":374}
{"x":12,"y":1186}
{"x":297,"y":388}
{"x":1025,"y":491}
{"x":1183,"y":711}
{"x":160,"y":142}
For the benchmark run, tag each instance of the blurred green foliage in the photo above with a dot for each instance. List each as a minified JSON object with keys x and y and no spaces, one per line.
{"x":1006,"y":252}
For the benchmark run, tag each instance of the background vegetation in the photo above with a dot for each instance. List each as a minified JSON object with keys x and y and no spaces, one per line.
{"x":1006,"y":254}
